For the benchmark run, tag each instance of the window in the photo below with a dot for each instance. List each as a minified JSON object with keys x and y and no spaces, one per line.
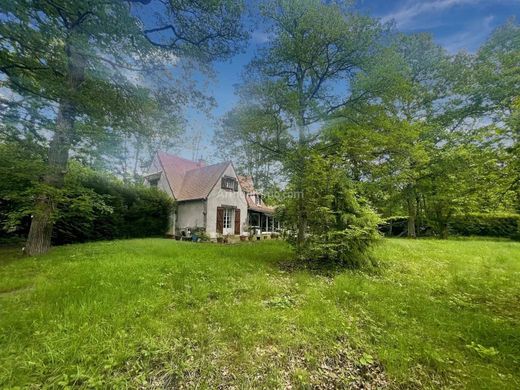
{"x":228,"y":215}
{"x":229,"y":183}
{"x":258,"y":199}
{"x":153,"y":182}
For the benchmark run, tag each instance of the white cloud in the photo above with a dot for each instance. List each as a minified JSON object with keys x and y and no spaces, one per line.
{"x":406,"y":16}
{"x":471,"y":38}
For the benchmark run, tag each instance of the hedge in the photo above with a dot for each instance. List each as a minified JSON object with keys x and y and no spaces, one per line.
{"x":491,"y":225}
{"x":136,"y":211}
{"x":473,"y":224}
{"x":95,"y":206}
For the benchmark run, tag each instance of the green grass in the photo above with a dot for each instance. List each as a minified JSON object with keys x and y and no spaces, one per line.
{"x":161,"y":313}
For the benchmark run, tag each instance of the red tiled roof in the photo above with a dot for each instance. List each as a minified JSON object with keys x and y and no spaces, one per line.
{"x":174,"y":168}
{"x":189,"y":179}
{"x":246,"y":182}
{"x":198,"y":183}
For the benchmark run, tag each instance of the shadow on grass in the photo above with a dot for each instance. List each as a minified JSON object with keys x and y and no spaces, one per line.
{"x":329,"y":268}
{"x":10,"y":253}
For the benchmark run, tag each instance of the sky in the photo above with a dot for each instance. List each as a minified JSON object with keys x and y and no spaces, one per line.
{"x":455,"y":24}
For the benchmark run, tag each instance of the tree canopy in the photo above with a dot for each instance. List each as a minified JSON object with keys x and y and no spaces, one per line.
{"x":85,"y":73}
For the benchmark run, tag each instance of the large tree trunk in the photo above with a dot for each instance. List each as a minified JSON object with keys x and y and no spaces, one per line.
{"x":39,"y":239}
{"x":40,"y":232}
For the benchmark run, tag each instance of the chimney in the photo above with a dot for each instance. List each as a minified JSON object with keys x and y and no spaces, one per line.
{"x":201,"y":163}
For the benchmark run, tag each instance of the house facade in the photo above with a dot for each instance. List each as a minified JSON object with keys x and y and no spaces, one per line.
{"x":212,"y":198}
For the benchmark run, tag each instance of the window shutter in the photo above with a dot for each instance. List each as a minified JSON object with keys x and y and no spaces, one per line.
{"x":220,"y":220}
{"x":223,"y":183}
{"x":236,"y":185}
{"x":237,"y":221}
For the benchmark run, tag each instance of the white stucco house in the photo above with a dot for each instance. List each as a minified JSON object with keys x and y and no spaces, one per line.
{"x":210,"y":197}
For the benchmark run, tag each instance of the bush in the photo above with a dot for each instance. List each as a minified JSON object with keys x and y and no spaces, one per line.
{"x":340,"y":225}
{"x":202,"y":235}
{"x":100,"y":207}
{"x":347,"y":247}
{"x":91,"y":206}
{"x":490,"y":225}
{"x":397,"y":226}
{"x":472,"y":224}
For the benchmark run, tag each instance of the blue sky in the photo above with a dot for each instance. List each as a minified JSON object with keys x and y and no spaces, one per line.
{"x":455,"y":24}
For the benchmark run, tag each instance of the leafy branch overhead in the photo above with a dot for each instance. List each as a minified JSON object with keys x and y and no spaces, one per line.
{"x":100,"y":71}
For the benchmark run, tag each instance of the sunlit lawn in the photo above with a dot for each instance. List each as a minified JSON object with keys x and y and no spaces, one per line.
{"x":162,"y":313}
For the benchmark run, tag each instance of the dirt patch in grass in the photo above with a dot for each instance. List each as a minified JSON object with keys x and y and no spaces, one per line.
{"x":341,"y":368}
{"x":328,"y":268}
{"x":15,"y":291}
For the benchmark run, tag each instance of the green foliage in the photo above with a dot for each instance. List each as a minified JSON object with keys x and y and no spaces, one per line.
{"x":170,"y":314}
{"x":201,"y":234}
{"x":90,"y":77}
{"x":314,"y":45}
{"x":244,"y":139}
{"x":90,"y":205}
{"x":501,"y":225}
{"x":98,"y":207}
{"x":437,"y":139}
{"x":287,"y":88}
{"x":470,"y":224}
{"x":20,"y":170}
{"x":340,"y":225}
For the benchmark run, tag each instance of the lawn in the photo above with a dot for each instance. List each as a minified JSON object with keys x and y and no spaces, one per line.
{"x":161,"y":313}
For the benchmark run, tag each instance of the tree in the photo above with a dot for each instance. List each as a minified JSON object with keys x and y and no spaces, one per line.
{"x":294,"y":80}
{"x":430,"y":144}
{"x":129,"y":151}
{"x":256,"y":139}
{"x":493,"y":94}
{"x":20,"y":166}
{"x":90,"y":206}
{"x":341,"y":226}
{"x":461,"y":179}
{"x":391,"y":138}
{"x":77,"y":59}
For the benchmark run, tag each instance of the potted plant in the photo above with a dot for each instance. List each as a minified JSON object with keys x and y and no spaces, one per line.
{"x":242,"y":237}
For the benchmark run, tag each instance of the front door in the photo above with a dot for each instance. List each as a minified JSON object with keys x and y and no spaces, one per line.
{"x":229,"y":219}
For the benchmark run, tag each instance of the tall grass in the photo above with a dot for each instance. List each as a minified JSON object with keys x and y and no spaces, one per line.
{"x":161,"y":313}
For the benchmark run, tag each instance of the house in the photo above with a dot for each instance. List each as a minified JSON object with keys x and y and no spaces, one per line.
{"x":212,"y":198}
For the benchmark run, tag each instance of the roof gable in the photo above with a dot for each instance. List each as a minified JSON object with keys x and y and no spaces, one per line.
{"x":174,"y":168}
{"x":198,"y":183}
{"x":246,"y":182}
{"x":189,"y":179}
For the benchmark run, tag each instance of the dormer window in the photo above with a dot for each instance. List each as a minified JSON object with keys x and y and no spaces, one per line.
{"x":153,"y":182}
{"x":153,"y":179}
{"x":229,"y":183}
{"x":258,"y":199}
